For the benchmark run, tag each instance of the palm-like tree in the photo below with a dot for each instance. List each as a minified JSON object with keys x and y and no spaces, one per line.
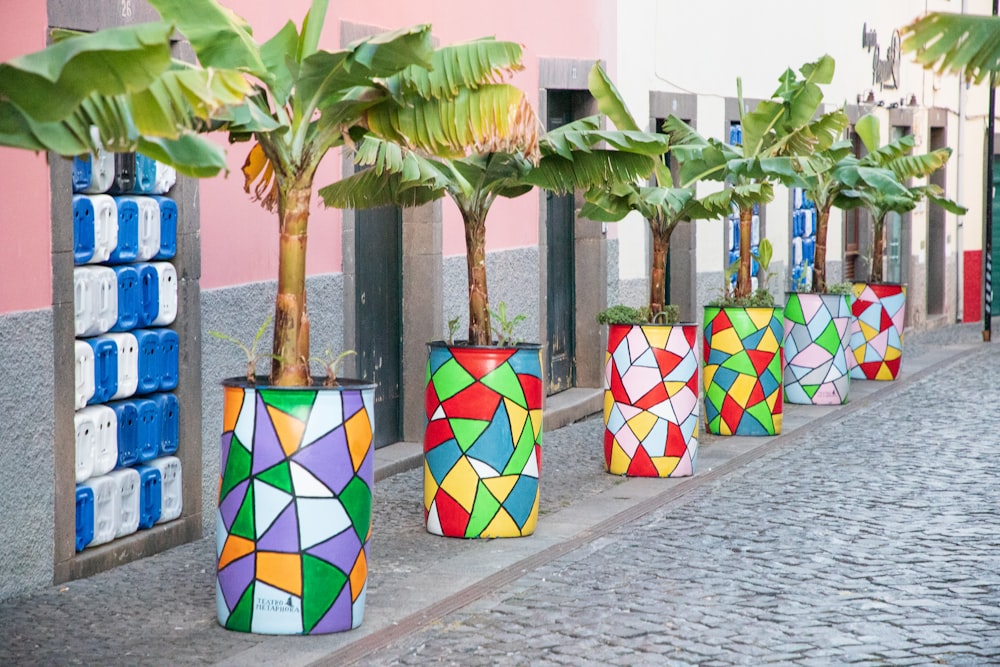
{"x":562,"y":160}
{"x":957,"y":43}
{"x":776,"y":135}
{"x":300,"y":102}
{"x":868,"y":184}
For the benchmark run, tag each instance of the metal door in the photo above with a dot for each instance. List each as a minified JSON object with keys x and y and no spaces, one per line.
{"x":379,"y":314}
{"x":561,"y":288}
{"x":995,"y":254}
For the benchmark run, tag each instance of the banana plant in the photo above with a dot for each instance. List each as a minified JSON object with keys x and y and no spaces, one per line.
{"x":564,"y":159}
{"x":777,"y":134}
{"x":870,"y":185}
{"x":957,"y":43}
{"x":609,"y":200}
{"x":299,"y":102}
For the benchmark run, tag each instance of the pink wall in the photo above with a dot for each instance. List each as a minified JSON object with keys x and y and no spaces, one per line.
{"x":25,"y":227}
{"x":238,"y":239}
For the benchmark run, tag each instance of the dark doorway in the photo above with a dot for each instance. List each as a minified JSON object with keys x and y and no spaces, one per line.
{"x":995,"y":254}
{"x":378,"y":307}
{"x":560,"y":258}
{"x":936,"y":236}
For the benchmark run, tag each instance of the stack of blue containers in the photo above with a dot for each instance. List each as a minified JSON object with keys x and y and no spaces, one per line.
{"x":803,"y":241}
{"x":733,"y":222}
{"x":125,"y":290}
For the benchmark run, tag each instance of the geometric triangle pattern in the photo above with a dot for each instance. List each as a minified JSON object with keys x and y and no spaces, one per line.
{"x":879,"y":313}
{"x":742,"y":355}
{"x":295,"y":504}
{"x":817,"y":341}
{"x":483,"y":440}
{"x":651,"y":400}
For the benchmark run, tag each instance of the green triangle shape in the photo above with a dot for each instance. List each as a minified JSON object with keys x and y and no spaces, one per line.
{"x":450,"y":379}
{"x":321,"y":584}
{"x":793,"y":309}
{"x":741,"y":322}
{"x":357,"y":501}
{"x":238,"y":467}
{"x":279,"y":476}
{"x":522,"y":451}
{"x":240,"y":619}
{"x":762,"y":413}
{"x":527,"y":435}
{"x":296,"y":402}
{"x":810,"y":389}
{"x":504,"y":381}
{"x":740,"y":362}
{"x":483,"y":510}
{"x":829,"y":339}
{"x":243,"y":524}
{"x":467,"y":431}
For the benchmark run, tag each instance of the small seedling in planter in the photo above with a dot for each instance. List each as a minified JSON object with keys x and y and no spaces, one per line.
{"x":505,"y":327}
{"x":453,"y":326}
{"x":622,"y":314}
{"x":249,"y":350}
{"x":331,"y":364}
{"x":760,"y":297}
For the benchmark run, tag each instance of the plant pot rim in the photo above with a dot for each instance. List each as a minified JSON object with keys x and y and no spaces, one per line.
{"x":884,"y":282}
{"x":774,"y":307}
{"x":652,"y":324}
{"x":465,"y":345}
{"x":263,"y":382}
{"x":787,"y":292}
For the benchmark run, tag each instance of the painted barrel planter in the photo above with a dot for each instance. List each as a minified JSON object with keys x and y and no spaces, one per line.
{"x":817,"y":344}
{"x":651,"y":400}
{"x":483,"y":441}
{"x":742,"y":370}
{"x":295,"y":505}
{"x":879,"y":314}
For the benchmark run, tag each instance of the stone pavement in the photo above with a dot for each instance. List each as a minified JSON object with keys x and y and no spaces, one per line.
{"x":865,"y":533}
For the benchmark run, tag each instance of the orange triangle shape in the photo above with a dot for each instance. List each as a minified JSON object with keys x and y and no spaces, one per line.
{"x":288,"y":428}
{"x":236,"y":547}
{"x":232,"y":403}
{"x":280,"y":570}
{"x":359,"y":437}
{"x":359,"y":573}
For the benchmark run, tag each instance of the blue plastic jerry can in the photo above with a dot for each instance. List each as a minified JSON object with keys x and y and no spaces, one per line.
{"x":168,"y":227}
{"x":105,"y":369}
{"x":128,"y":432}
{"x":84,"y":516}
{"x":82,"y":170}
{"x":83,"y":229}
{"x":149,"y":290}
{"x":148,"y":432}
{"x":145,"y":175}
{"x":127,"y":248}
{"x":150,"y":495}
{"x":149,"y":361}
{"x":129,"y":297}
{"x":169,"y":359}
{"x":147,"y":213}
{"x":93,"y":174}
{"x":169,"y":422}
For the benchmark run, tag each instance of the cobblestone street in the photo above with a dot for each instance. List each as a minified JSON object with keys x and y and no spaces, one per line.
{"x":874,"y":541}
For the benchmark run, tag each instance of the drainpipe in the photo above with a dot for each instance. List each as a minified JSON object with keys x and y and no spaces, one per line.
{"x":960,"y":222}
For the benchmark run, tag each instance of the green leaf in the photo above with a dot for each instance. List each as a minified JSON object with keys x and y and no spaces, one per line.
{"x":277,"y":53}
{"x":609,"y":100}
{"x":956,"y":43}
{"x":190,"y":154}
{"x":312,"y":28}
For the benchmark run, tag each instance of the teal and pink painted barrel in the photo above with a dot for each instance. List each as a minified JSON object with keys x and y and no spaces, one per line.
{"x":817,"y":348}
{"x":651,"y":400}
{"x":742,"y":370}
{"x":879,"y":312}
{"x":295,"y":505}
{"x":483,"y":441}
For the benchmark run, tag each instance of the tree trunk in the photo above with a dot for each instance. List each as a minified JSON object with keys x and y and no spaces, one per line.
{"x":743,"y":275}
{"x":878,"y":247}
{"x":658,"y":272}
{"x":819,"y":262}
{"x":290,"y":365}
{"x":479,"y":300}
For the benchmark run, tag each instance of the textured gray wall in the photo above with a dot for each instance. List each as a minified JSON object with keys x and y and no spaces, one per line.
{"x":27,"y":466}
{"x":239,"y":311}
{"x":512,"y":277}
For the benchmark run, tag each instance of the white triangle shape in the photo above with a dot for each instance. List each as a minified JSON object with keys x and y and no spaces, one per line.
{"x":268,"y":503}
{"x":327,"y":414}
{"x":320,"y":519}
{"x":484,"y":470}
{"x":531,"y":466}
{"x":245,"y":422}
{"x":305,"y":483}
{"x":433,"y":520}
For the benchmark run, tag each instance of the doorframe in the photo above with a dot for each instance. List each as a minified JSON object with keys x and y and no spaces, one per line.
{"x":423,"y":300}
{"x":590,"y":246}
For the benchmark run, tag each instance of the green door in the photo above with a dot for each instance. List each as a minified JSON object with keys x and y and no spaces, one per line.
{"x":995,"y":254}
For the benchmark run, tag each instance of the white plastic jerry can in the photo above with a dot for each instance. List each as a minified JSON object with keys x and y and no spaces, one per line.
{"x":105,"y":227}
{"x":85,"y":423}
{"x":127,"y":348}
{"x":106,"y":511}
{"x":167,"y":294}
{"x":95,"y":173}
{"x":166,"y":177}
{"x":170,"y":475}
{"x":106,"y":442}
{"x":147,"y":212}
{"x":83,"y":362}
{"x":126,"y":488}
{"x":95,"y":300}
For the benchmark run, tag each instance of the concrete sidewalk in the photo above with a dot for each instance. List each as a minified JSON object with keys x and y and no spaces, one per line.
{"x":161,"y":610}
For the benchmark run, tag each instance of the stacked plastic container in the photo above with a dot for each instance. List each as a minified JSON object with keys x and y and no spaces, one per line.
{"x":733,"y":222}
{"x":127,"y":417}
{"x":803,"y":240}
